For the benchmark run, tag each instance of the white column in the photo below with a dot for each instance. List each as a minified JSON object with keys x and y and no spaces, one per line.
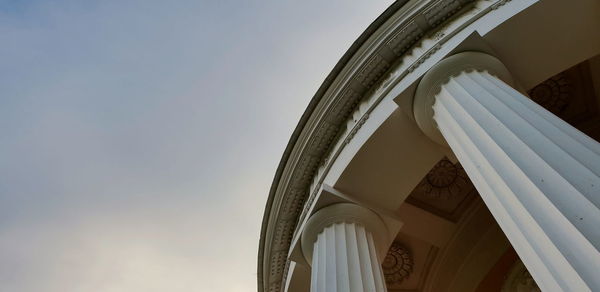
{"x":342,"y":243}
{"x":539,"y":176}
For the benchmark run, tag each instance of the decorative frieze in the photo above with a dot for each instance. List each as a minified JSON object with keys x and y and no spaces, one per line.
{"x":374,"y":68}
{"x":498,"y":4}
{"x":424,"y":57}
{"x":405,"y":37}
{"x":356,"y":127}
{"x":443,"y":9}
{"x":343,"y":106}
{"x":323,"y":137}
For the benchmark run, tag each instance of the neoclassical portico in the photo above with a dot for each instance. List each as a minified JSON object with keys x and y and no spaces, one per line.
{"x":467,"y":158}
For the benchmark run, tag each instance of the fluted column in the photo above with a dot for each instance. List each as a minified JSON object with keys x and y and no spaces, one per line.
{"x":342,"y":243}
{"x":539,"y":176}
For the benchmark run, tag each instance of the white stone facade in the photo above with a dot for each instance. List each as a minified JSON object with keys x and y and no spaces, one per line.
{"x":446,"y":148}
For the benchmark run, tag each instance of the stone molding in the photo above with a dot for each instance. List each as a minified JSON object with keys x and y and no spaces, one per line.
{"x":392,"y":39}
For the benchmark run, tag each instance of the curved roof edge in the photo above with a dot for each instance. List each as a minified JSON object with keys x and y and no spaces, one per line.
{"x":311,"y":106}
{"x":436,"y":19}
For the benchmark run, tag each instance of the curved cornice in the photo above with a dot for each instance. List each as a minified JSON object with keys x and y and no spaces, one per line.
{"x":363,"y":66}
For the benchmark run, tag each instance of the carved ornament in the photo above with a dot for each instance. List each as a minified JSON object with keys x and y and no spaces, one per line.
{"x":397,"y":265}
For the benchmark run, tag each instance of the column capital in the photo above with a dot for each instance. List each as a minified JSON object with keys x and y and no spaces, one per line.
{"x":430,"y":85}
{"x":344,"y":213}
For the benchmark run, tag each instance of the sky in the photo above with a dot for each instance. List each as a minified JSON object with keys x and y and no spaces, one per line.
{"x":139,"y":138}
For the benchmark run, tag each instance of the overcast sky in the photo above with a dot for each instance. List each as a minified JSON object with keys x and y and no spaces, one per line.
{"x":139,"y":138}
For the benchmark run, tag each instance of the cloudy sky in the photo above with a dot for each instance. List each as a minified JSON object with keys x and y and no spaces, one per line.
{"x":139,"y":138}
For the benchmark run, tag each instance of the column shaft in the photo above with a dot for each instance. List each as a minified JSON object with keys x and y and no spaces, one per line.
{"x":539,"y":176}
{"x":344,"y":259}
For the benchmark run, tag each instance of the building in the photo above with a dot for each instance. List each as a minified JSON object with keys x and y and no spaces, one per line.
{"x":454,"y":147}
